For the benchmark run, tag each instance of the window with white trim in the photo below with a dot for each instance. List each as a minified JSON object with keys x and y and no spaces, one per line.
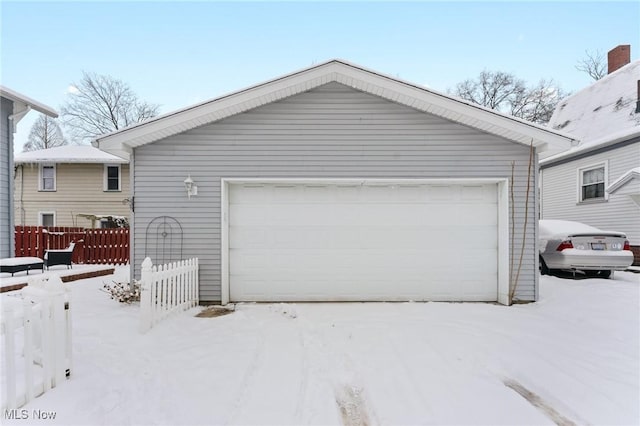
{"x":47,"y":177}
{"x":112,"y":178}
{"x":47,"y":218}
{"x":593,"y":181}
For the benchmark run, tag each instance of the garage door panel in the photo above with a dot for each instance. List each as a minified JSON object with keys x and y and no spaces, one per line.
{"x":347,"y":237}
{"x":363,"y":242}
{"x":360,"y":215}
{"x":350,"y":290}
{"x":333,"y":263}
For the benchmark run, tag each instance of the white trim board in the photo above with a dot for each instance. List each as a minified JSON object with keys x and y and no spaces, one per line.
{"x":393,"y":89}
{"x":503,"y":219}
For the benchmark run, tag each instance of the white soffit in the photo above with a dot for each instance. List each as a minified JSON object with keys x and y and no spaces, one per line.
{"x":16,"y":97}
{"x":339,"y":71}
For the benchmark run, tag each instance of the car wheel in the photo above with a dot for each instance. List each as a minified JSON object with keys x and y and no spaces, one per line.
{"x":544,"y":270}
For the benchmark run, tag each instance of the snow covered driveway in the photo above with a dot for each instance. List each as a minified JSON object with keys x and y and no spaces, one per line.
{"x":575,"y":353}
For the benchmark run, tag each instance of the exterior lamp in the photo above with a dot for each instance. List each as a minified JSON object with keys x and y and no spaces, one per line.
{"x":190,"y":186}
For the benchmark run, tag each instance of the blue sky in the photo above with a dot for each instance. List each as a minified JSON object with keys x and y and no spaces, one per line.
{"x":179,"y":53}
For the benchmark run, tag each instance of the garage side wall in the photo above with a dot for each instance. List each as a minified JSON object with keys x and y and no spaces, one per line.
{"x":6,"y":178}
{"x":330,"y":132}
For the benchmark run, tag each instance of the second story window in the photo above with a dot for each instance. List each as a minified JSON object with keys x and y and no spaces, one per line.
{"x":47,"y":177}
{"x":592,"y":183}
{"x":112,"y":178}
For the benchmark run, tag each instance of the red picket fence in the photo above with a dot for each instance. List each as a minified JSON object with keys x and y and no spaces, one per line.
{"x":94,"y":246}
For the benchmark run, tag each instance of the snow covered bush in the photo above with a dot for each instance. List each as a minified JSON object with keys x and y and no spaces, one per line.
{"x":123,"y":292}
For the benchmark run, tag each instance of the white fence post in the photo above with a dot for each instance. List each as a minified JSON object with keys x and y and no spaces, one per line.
{"x":146,"y":300}
{"x":40,"y":324}
{"x":165,"y":289}
{"x":10,"y":349}
{"x":196,"y":279}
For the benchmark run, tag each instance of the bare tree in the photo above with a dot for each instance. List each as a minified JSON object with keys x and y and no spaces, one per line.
{"x":101,"y":104}
{"x":593,"y":64}
{"x":45,"y":133}
{"x":506,"y":93}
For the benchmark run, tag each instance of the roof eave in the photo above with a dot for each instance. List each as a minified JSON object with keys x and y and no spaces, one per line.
{"x":563,"y":156}
{"x":27,"y":101}
{"x":70,"y":161}
{"x":613,"y":188}
{"x":354,"y":76}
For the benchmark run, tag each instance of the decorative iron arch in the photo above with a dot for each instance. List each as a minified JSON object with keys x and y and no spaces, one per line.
{"x":163,"y":240}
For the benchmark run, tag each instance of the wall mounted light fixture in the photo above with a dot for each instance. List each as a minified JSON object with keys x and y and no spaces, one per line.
{"x":190,"y":186}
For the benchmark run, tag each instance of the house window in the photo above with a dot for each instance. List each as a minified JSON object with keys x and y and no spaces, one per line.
{"x":593,"y":183}
{"x":112,"y":178}
{"x":47,"y":218}
{"x":47,"y":177}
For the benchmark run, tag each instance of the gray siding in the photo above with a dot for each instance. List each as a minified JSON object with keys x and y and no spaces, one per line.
{"x":332,"y":131}
{"x":560,"y":187}
{"x":6,"y":176}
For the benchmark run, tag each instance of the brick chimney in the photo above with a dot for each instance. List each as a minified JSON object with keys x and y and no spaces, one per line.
{"x":618,"y":57}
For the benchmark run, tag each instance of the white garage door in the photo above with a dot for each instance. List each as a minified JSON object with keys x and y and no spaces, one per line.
{"x":363,"y":242}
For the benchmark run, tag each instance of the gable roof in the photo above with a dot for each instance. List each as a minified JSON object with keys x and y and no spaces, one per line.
{"x":26,"y":101}
{"x":633,"y":174}
{"x":68,"y":154}
{"x":359,"y":78}
{"x":605,"y":108}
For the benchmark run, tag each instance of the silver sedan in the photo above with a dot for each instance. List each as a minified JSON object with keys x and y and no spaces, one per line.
{"x":575,"y":246}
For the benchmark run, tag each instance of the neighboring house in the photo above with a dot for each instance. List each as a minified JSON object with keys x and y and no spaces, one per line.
{"x":337,"y":183}
{"x":13,"y":107}
{"x":71,"y":185}
{"x":595,"y":182}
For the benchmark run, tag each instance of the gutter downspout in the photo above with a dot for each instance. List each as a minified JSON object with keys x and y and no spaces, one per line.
{"x":14,"y":119}
{"x":132,"y":217}
{"x":20,"y":206}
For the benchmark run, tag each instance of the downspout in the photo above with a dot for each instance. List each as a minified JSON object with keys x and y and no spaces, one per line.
{"x":13,"y":118}
{"x":20,"y":207}
{"x":132,"y":219}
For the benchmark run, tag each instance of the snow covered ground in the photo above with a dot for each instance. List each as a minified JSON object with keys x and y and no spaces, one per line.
{"x":574,"y":354}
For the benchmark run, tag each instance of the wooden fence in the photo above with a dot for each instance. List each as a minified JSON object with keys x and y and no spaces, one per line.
{"x":36,"y":337}
{"x":165,"y":289}
{"x":93,"y":246}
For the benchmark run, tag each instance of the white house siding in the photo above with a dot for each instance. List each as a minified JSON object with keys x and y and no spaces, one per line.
{"x":333,"y":132}
{"x":619,"y":213}
{"x":6,"y":174}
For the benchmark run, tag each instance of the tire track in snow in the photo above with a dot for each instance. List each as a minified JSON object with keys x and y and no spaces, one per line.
{"x":247,"y":378}
{"x":304,"y":382}
{"x":337,"y":369}
{"x":531,"y":345}
{"x":410,"y":372}
{"x":539,"y":403}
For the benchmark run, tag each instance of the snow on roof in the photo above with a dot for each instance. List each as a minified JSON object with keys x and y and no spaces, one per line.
{"x":343,"y":72}
{"x":5,"y":92}
{"x":602,"y":109}
{"x":624,"y":179}
{"x":68,"y":154}
{"x":612,"y":139}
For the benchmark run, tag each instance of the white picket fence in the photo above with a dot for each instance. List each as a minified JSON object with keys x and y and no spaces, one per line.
{"x":36,"y":337}
{"x":165,"y":289}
